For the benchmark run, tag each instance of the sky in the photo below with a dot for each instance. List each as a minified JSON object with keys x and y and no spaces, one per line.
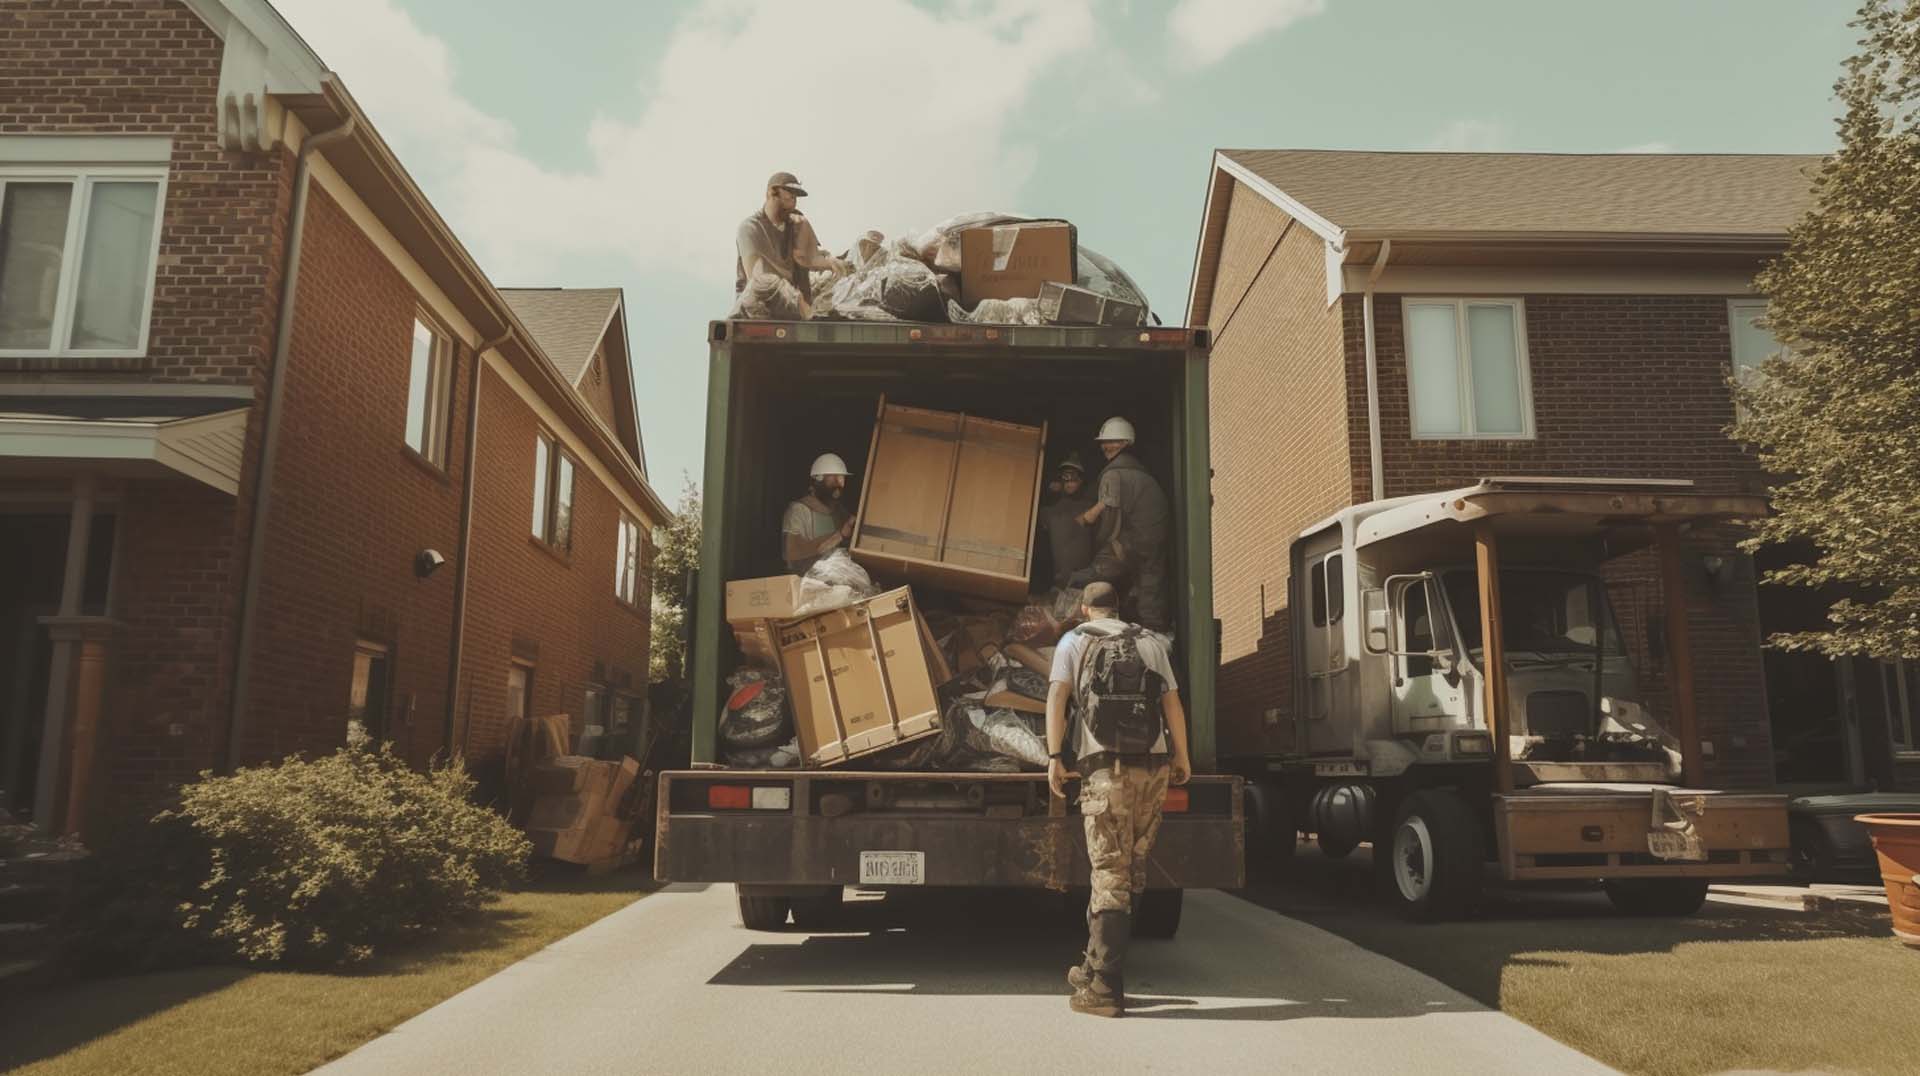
{"x":598,"y":143}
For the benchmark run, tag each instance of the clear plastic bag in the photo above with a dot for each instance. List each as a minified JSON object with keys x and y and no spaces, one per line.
{"x":834,"y":582}
{"x":785,"y":756}
{"x":997,"y":312}
{"x":1008,"y":734}
{"x":889,"y":285}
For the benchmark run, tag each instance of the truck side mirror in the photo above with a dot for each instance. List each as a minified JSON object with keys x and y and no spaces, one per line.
{"x":1379,"y":632}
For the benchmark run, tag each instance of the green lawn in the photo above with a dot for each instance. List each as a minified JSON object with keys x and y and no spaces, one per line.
{"x":232,"y":1020}
{"x":1729,"y":989}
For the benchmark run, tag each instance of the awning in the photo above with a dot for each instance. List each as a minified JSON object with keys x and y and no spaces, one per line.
{"x":202,"y":439}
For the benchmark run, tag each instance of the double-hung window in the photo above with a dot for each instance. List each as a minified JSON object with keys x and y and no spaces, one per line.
{"x":552,"y":493}
{"x":429,"y":388}
{"x":77,"y":259}
{"x":626,"y":561}
{"x":1467,"y":368}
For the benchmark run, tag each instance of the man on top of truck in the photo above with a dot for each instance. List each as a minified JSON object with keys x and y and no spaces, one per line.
{"x":1131,"y":548}
{"x":775,"y":248}
{"x":1132,"y":737}
{"x":817,"y":523}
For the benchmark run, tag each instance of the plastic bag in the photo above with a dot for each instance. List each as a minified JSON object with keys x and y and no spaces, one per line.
{"x":997,"y":312}
{"x":1099,"y":273}
{"x":1035,"y":624}
{"x":785,"y":756}
{"x":1007,"y":734}
{"x":890,"y":285}
{"x":755,"y":714}
{"x":834,"y":582}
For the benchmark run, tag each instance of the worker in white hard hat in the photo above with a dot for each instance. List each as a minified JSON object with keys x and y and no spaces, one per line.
{"x":817,"y":523}
{"x":1131,"y":518}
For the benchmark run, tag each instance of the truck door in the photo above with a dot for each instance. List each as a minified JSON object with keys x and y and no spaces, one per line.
{"x":1423,"y":695}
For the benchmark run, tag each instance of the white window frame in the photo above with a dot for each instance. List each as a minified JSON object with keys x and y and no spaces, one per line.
{"x":546,"y":492}
{"x":1463,"y":366}
{"x":1738,"y":310}
{"x":627,"y":560}
{"x":438,"y":404}
{"x":67,"y":295}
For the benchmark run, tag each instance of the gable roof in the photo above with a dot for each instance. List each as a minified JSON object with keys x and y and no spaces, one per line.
{"x":568,"y":323}
{"x":1404,"y":195}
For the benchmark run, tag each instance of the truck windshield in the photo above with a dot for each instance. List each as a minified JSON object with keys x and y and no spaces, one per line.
{"x":1546,"y":614}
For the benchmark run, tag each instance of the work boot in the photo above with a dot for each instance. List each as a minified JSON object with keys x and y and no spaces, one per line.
{"x":1103,"y":991}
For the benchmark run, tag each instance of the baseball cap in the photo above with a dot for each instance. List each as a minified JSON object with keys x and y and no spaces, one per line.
{"x":787,"y":180}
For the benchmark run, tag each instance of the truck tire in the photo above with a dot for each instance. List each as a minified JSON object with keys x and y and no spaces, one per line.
{"x":1430,"y":865}
{"x":1656,"y":896}
{"x":1158,"y":913}
{"x":1812,"y":851}
{"x":816,"y":913}
{"x":1272,"y":835}
{"x":762,"y":913}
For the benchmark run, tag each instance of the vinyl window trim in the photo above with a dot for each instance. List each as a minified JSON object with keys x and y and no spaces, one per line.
{"x":547,"y":492}
{"x":437,"y":429}
{"x":67,"y":295}
{"x":1463,"y":366}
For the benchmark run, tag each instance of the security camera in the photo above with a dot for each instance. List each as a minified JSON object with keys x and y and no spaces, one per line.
{"x":426,"y":562}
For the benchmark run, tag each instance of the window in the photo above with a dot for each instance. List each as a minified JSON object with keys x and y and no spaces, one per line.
{"x":519,"y":691}
{"x":1328,"y":594}
{"x":593,"y":722}
{"x":552,"y":493}
{"x":1467,"y":368}
{"x":1752,"y":345}
{"x":429,"y":391}
{"x":77,"y":259}
{"x":367,"y":695}
{"x":1900,"y":684}
{"x":626,"y":561}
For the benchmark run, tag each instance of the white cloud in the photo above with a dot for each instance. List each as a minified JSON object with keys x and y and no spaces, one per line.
{"x":1648,"y":147}
{"x":1205,"y":31}
{"x":894,"y":115}
{"x":1463,"y":136}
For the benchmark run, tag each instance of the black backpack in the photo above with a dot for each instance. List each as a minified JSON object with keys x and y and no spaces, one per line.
{"x":1118,"y":693}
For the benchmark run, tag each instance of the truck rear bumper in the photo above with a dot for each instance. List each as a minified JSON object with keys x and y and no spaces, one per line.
{"x":1569,"y":832}
{"x":973,"y":829}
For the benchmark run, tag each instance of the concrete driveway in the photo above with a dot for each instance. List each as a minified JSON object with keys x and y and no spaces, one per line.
{"x":949,"y":983}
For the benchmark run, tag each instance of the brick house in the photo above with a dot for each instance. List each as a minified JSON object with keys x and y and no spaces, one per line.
{"x":1394,"y":323}
{"x":276,"y":458}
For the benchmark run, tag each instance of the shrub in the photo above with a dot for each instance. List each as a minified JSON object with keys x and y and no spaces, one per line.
{"x":318,"y":861}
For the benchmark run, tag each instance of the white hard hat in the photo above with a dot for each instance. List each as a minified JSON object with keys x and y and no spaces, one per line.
{"x":1116,"y":429}
{"x":827,"y":463}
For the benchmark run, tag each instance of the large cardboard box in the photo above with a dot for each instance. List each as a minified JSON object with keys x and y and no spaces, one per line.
{"x":950,"y":501}
{"x":861,"y":678}
{"x":772,"y":598}
{"x":1012,"y":261}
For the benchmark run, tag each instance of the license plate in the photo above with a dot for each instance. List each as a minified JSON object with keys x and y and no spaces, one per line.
{"x":1684,"y":845}
{"x":893,"y":868}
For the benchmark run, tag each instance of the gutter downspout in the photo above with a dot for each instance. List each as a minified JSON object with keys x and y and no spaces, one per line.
{"x":1373,"y":373}
{"x":270,"y":430}
{"x":467,"y":481}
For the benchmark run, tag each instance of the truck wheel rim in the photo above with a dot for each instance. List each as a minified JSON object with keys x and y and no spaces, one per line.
{"x":1413,"y":858}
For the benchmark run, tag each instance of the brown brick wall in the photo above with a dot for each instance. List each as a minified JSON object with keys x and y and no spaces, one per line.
{"x":1277,"y":400}
{"x":151,"y":67}
{"x":527,"y":599}
{"x":1622,"y":387}
{"x":352,"y":505}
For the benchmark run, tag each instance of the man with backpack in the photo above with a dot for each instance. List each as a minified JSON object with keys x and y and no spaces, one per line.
{"x":1132,"y":742}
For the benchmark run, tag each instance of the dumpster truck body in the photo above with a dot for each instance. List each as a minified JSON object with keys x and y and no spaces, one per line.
{"x":792,"y":840}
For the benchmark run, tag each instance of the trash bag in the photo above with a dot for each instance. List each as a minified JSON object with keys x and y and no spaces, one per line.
{"x":756,"y":712}
{"x":834,"y":582}
{"x":997,"y":312}
{"x":785,"y":756}
{"x":889,"y":285}
{"x":1006,"y":734}
{"x":1035,"y":624}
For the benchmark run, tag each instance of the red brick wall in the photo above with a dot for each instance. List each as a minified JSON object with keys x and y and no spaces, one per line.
{"x":1277,"y":403}
{"x":151,"y":67}
{"x":1626,"y":387}
{"x":351,"y":507}
{"x":525,"y":598}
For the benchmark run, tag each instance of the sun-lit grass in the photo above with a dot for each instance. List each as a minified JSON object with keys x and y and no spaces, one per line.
{"x":202,"y":1021}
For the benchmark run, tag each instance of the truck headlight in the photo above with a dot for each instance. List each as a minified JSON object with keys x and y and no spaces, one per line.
{"x":1473,"y":743}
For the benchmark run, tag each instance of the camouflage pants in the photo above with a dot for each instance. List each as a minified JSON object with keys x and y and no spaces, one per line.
{"x":1120,"y":804}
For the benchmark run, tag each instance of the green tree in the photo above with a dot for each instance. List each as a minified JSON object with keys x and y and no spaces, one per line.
{"x":1838,"y":416}
{"x":671,"y":564}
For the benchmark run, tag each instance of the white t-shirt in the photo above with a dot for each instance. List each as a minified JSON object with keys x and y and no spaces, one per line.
{"x":1066,"y":666}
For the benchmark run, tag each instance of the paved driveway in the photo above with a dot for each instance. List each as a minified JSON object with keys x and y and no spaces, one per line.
{"x":951,"y":983}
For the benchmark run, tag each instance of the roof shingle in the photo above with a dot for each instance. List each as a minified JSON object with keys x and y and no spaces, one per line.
{"x":1735,"y":195}
{"x":565,"y":322}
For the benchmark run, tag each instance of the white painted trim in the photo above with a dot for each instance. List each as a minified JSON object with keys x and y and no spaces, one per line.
{"x":1335,"y":262}
{"x":87,"y":439}
{"x":66,"y":297}
{"x":575,"y":445}
{"x":73,"y":149}
{"x":1505,"y":280}
{"x":1200,"y":248}
{"x":1315,"y":223}
{"x":396,"y":253}
{"x":1463,"y":363}
{"x":142,"y":389}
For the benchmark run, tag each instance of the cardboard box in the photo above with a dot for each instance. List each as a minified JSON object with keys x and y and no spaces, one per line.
{"x":1066,"y":304}
{"x":862,"y":678}
{"x":950,"y":501}
{"x":757,"y":643}
{"x":1012,"y":261}
{"x":772,"y":598}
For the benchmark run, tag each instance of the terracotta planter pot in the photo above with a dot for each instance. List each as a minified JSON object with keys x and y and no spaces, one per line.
{"x":1896,"y":838}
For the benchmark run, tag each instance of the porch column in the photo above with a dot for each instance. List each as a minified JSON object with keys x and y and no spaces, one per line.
{"x":89,"y":636}
{"x":1673,"y":588}
{"x":60,"y":678}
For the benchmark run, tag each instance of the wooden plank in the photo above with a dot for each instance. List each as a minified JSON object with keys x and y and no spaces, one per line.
{"x":1494,"y":654}
{"x":1673,"y":588}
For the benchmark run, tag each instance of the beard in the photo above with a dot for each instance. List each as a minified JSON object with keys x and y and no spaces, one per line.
{"x":824,"y":493}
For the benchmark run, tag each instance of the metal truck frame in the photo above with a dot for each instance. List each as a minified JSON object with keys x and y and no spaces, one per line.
{"x":1411,"y":736}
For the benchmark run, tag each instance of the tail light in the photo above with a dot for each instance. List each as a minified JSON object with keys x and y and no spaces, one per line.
{"x":1176,"y":801}
{"x":748,"y":798}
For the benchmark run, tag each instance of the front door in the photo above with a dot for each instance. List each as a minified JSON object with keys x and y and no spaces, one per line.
{"x":1423,"y":694}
